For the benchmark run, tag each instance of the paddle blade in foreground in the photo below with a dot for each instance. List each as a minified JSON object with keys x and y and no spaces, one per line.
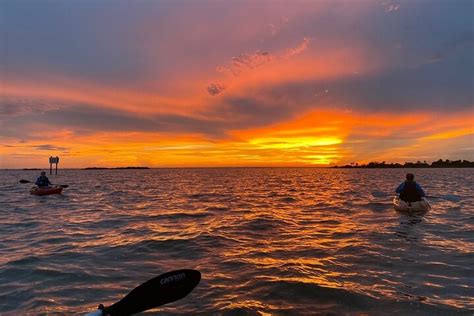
{"x":161,"y":290}
{"x":25,"y":181}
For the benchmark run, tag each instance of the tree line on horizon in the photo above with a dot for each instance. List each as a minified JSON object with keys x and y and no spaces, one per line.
{"x":419,"y":164}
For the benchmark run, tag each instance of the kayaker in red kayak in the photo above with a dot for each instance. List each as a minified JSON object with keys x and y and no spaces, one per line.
{"x":43,"y":180}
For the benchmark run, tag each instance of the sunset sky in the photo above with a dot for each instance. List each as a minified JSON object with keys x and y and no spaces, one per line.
{"x":235,"y":83}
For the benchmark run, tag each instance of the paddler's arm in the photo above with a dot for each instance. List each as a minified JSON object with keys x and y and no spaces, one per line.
{"x":420,"y":190}
{"x":400,"y":188}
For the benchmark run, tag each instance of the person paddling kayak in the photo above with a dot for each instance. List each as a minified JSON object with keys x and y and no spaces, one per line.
{"x":43,"y":180}
{"x":410,"y":191}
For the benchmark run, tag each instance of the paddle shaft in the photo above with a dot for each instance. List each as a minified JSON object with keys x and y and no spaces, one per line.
{"x":62,"y":185}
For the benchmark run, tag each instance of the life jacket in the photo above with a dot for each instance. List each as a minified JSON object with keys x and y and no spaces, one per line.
{"x":42,"y":181}
{"x":410,"y":193}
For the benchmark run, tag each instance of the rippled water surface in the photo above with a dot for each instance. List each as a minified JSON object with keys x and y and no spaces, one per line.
{"x":267,"y":241}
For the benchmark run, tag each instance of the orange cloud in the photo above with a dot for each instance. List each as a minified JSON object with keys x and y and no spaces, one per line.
{"x":326,"y":65}
{"x":74,"y":91}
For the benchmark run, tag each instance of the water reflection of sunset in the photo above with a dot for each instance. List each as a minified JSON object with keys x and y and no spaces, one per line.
{"x":267,"y":240}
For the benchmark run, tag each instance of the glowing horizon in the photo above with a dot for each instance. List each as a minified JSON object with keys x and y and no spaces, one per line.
{"x":235,"y":84}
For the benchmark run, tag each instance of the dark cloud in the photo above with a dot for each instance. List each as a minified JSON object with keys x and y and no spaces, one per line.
{"x":297,"y":49}
{"x":253,"y":111}
{"x":38,"y":147}
{"x":231,"y":113}
{"x":215,"y":89}
{"x":89,"y":119}
{"x":453,"y":47}
{"x":15,"y":105}
{"x":50,"y":147}
{"x":100,"y":119}
{"x":444,"y":87}
{"x":250,"y":111}
{"x":8,"y":109}
{"x":391,"y":6}
{"x":247,"y":61}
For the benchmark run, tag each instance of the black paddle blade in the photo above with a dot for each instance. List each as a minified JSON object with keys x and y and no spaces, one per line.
{"x":24,"y":181}
{"x":64,"y":186}
{"x":163,"y":289}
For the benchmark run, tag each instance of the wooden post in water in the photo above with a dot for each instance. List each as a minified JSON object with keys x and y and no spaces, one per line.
{"x":54,"y":160}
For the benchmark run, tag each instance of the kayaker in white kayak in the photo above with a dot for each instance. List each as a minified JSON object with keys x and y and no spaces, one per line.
{"x":410,"y":191}
{"x":43,"y":180}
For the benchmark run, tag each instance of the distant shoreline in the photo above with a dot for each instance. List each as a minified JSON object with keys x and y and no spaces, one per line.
{"x":436,"y":164}
{"x":114,"y":168}
{"x":372,"y":165}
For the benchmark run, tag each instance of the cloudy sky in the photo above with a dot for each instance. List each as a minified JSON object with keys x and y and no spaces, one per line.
{"x":235,"y":83}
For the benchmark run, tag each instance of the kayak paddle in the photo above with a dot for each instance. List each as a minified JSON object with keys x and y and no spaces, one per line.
{"x":160,"y":290}
{"x":62,"y":185}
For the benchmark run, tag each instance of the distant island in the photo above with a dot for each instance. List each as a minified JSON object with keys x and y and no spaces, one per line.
{"x":435,"y":164}
{"x":104,"y":168}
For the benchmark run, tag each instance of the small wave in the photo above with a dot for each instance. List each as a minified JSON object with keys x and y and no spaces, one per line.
{"x":57,"y":273}
{"x":329,"y":222}
{"x":380,"y":194}
{"x":217,"y":208}
{"x":54,"y":241}
{"x":377,"y":206}
{"x":303,"y":292}
{"x":179,"y":215}
{"x":24,"y":261}
{"x":23,"y":225}
{"x":451,"y":197}
{"x":117,"y":193}
{"x":288,"y":199}
{"x":13,"y":300}
{"x":202,"y":195}
{"x":406,"y":236}
{"x":261,"y":224}
{"x":109,"y":223}
{"x":196,"y":247}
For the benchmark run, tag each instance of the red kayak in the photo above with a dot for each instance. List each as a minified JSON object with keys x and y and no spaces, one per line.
{"x":46,"y":190}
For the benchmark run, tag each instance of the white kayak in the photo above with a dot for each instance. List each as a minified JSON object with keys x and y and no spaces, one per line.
{"x":411,"y":207}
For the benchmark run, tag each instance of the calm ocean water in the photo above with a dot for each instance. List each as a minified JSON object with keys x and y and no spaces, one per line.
{"x":266,"y":240}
